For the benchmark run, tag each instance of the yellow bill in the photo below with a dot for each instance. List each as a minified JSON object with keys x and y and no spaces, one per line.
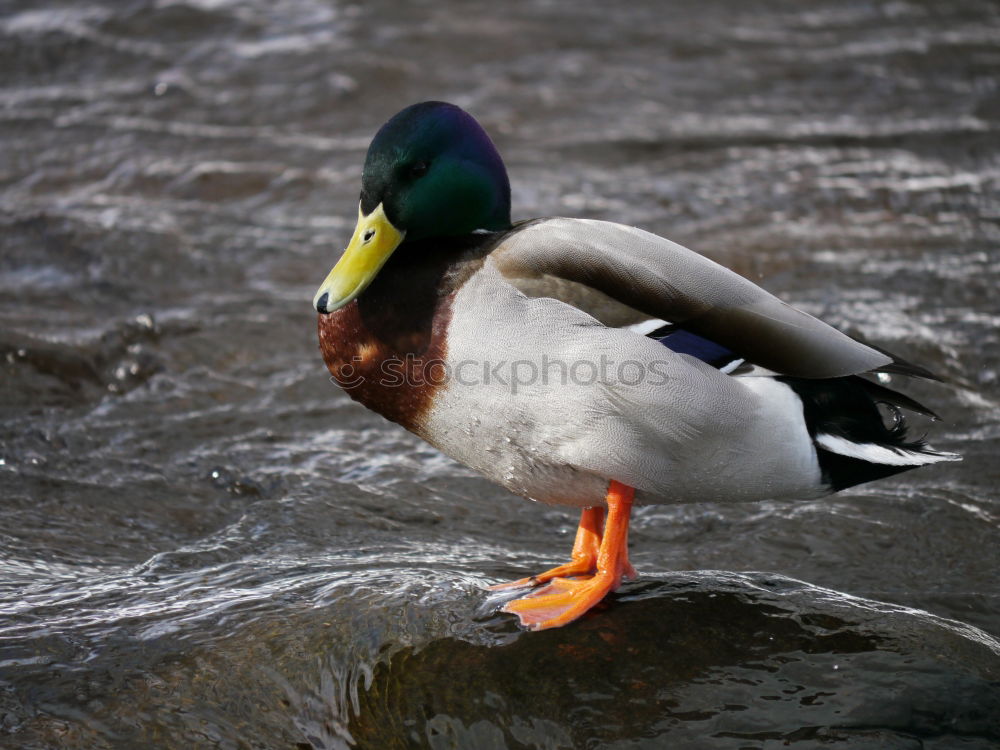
{"x":373,"y":242}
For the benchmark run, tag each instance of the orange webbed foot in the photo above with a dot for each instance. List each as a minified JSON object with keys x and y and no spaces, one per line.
{"x":602,"y":558}
{"x":584,"y":557}
{"x":560,"y":602}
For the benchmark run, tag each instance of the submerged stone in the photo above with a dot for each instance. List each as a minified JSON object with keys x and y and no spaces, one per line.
{"x":709,"y":660}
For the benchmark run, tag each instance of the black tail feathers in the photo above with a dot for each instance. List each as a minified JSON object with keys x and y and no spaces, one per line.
{"x":853,"y":441}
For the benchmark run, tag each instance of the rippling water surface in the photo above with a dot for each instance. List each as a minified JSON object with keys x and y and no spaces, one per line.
{"x":204,"y":543}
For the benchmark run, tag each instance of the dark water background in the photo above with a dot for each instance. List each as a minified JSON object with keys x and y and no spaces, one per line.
{"x":204,"y":543}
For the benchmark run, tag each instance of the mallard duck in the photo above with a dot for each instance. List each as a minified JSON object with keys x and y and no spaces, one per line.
{"x":587,"y":363}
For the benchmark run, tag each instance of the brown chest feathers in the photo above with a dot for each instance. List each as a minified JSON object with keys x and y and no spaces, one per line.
{"x":387,"y":348}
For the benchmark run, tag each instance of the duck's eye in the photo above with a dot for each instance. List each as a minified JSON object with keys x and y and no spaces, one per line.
{"x":419,"y":169}
{"x":369,"y":233}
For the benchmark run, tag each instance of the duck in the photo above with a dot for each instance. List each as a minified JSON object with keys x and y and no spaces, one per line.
{"x":587,"y":363}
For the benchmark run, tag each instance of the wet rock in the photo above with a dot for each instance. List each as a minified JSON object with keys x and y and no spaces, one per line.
{"x":63,"y":372}
{"x":699,"y":660}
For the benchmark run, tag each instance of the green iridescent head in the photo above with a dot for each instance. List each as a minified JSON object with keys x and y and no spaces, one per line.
{"x":431,"y":171}
{"x":436,"y":173}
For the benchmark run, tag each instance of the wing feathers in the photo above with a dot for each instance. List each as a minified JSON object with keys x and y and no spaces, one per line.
{"x":663,"y":279}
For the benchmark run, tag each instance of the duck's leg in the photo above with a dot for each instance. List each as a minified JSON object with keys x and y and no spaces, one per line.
{"x":583,"y":560}
{"x":564,"y":600}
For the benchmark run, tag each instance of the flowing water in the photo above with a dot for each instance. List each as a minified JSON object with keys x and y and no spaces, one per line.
{"x":204,"y":543}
